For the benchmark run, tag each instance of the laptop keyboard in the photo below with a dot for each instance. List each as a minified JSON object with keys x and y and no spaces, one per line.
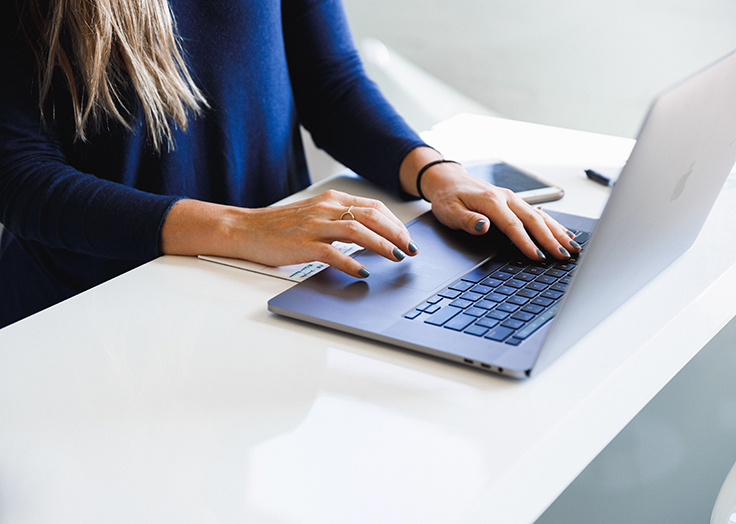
{"x":506,"y":299}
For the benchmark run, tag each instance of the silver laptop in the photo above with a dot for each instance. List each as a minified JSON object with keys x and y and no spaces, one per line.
{"x":479,"y":302}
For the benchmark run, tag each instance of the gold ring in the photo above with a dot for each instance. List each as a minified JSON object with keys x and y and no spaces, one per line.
{"x":348,"y":212}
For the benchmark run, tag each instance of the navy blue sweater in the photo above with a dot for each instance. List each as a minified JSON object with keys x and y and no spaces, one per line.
{"x":77,"y":214}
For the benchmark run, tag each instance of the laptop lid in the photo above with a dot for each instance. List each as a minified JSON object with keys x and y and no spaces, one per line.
{"x":684,"y":153}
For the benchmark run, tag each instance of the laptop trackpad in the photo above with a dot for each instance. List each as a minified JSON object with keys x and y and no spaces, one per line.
{"x":443,"y":254}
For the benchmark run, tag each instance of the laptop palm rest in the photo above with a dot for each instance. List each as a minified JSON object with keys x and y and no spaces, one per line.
{"x":334,"y":299}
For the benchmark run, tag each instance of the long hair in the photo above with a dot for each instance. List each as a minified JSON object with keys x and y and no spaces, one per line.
{"x":106,"y":48}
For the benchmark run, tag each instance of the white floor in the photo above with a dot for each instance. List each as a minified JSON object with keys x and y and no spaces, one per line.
{"x":591,"y":65}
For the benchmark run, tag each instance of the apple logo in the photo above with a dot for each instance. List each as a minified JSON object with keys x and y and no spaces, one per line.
{"x":680,"y":186}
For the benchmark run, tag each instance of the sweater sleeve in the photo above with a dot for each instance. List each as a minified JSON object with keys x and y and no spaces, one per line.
{"x":336,"y":102}
{"x":42,"y":197}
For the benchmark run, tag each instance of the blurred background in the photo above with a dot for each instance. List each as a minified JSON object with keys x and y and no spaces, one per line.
{"x":591,"y":65}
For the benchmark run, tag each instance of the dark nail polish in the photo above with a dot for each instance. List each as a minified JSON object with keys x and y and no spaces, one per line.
{"x":363,"y":272}
{"x":570,"y":233}
{"x":398,"y":254}
{"x":413,"y":247}
{"x":574,"y":244}
{"x":564,"y":252}
{"x":541,"y":255}
{"x":479,"y":225}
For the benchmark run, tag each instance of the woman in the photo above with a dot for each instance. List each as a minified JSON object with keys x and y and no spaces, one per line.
{"x":135,"y":128}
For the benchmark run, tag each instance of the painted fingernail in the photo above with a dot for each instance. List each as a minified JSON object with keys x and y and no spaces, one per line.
{"x":541,"y":255}
{"x":363,"y":272}
{"x":398,"y":254}
{"x":574,"y":244}
{"x":570,"y":233}
{"x":479,"y":225}
{"x":564,"y":252}
{"x":413,"y":247}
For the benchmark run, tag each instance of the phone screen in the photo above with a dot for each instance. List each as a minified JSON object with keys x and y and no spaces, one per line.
{"x":502,"y":174}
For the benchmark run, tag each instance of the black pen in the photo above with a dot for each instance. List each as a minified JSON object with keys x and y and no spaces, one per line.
{"x":597,"y":177}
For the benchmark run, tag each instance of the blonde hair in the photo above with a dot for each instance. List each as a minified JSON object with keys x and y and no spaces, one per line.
{"x":105,"y":47}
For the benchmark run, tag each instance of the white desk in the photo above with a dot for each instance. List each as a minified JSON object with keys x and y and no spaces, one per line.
{"x":171,"y":395}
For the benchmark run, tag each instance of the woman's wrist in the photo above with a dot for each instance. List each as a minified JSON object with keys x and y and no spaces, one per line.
{"x":424,"y":171}
{"x":193,"y":227}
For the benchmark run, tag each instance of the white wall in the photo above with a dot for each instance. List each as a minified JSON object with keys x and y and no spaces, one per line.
{"x":584,"y":64}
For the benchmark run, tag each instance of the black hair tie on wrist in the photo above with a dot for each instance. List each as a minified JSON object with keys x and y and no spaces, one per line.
{"x":424,"y":169}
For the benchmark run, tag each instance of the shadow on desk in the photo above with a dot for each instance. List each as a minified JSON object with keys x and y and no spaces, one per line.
{"x":667,"y":465}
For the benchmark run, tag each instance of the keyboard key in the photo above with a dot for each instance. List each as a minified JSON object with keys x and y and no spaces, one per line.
{"x":534,"y":270}
{"x":475,"y":311}
{"x":566,"y":280}
{"x":500,"y":275}
{"x":526,"y":277}
{"x":461,"y":303}
{"x":411,"y":315}
{"x":435,"y":299}
{"x":511,"y":268}
{"x":505,"y":290}
{"x":523,"y":316}
{"x":495,"y":297}
{"x":483,"y":290}
{"x":443,"y":315}
{"x":487,"y":322}
{"x":434,"y":308}
{"x":517,"y":300}
{"x":470,"y":295}
{"x":512,"y":323}
{"x":499,"y":333}
{"x":554,"y":295}
{"x":545,"y":279}
{"x":531,"y":308}
{"x":518,"y":284}
{"x":461,"y":285}
{"x":540,"y":301}
{"x":485,"y":304}
{"x":476,"y":330}
{"x":491,"y":282}
{"x":526,"y":293}
{"x":559,"y":287}
{"x":508,"y":308}
{"x":557,"y":273}
{"x":497,"y":315}
{"x":536,"y":286}
{"x":449,"y":293}
{"x":582,"y":237}
{"x":514,"y":341}
{"x":459,"y":322}
{"x":564,"y":266}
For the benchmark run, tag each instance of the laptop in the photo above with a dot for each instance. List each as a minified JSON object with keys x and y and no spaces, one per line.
{"x":479,"y":302}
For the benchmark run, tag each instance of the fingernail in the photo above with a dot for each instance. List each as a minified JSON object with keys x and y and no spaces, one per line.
{"x":564,"y":252}
{"x":479,"y":225}
{"x":541,"y":255}
{"x":413,"y":247}
{"x":570,"y":233}
{"x":363,"y":272}
{"x":574,"y":244}
{"x":398,"y":254}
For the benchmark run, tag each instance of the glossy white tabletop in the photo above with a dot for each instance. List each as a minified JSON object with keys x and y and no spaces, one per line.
{"x":171,"y":394}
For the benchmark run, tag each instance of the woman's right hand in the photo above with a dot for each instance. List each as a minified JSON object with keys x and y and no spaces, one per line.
{"x":289,"y":234}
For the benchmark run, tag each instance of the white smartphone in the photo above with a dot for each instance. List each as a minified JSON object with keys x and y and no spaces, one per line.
{"x":530,"y":187}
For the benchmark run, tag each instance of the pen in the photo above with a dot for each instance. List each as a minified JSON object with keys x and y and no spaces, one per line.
{"x":597,"y":177}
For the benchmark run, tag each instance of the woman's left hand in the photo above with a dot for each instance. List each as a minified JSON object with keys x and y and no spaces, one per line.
{"x":461,"y":201}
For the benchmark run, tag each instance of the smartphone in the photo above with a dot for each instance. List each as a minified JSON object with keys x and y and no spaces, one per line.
{"x":530,"y":187}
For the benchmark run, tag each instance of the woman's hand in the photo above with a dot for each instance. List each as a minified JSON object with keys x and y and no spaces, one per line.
{"x":461,"y":201}
{"x":289,"y":234}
